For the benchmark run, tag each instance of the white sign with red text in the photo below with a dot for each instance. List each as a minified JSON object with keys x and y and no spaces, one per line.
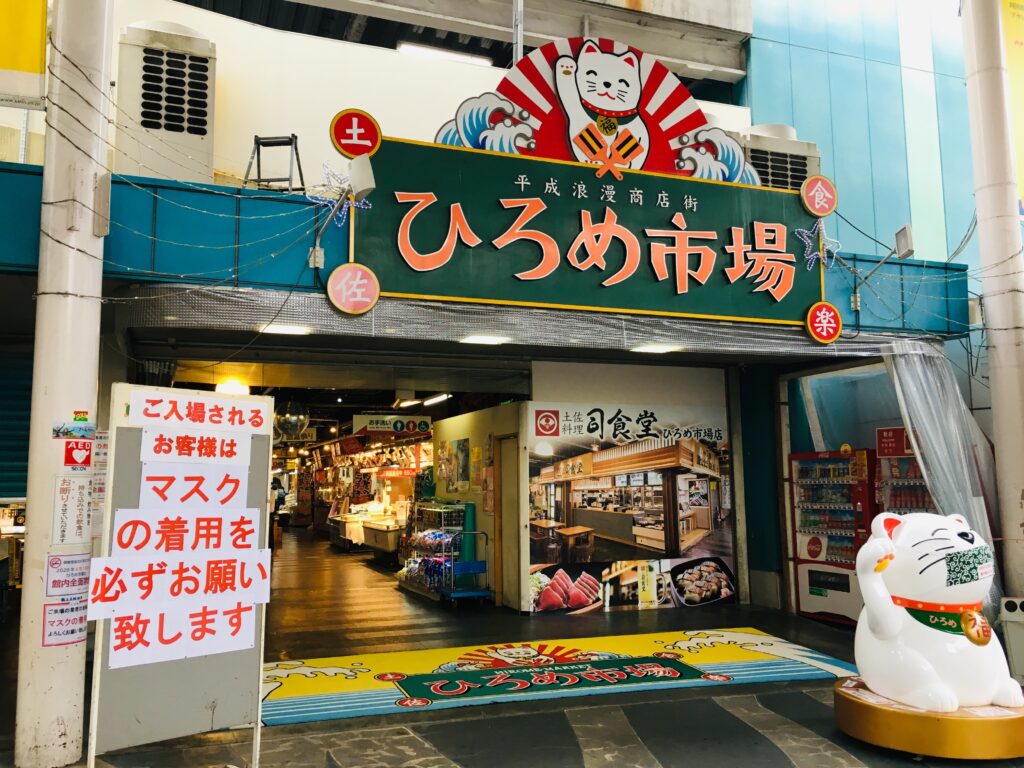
{"x":192,"y":486}
{"x":165,"y":585}
{"x":138,"y":638}
{"x":169,"y":409}
{"x":184,"y":531}
{"x":67,"y":575}
{"x":185,"y":572}
{"x":192,"y":445}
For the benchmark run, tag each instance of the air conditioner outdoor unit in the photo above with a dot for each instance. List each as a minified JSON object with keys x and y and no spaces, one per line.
{"x":780,"y":159}
{"x":165,"y":97}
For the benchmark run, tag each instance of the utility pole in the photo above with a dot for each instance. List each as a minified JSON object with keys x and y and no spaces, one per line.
{"x":999,"y":231}
{"x":51,"y":677}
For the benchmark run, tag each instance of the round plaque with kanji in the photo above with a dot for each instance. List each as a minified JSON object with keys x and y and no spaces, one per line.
{"x":353,"y":288}
{"x":824,"y":323}
{"x":354,"y":133}
{"x":819,"y":196}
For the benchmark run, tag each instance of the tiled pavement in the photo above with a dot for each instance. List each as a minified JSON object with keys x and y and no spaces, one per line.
{"x":767,"y":726}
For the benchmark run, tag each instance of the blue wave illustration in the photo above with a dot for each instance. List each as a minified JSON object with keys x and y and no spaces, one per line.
{"x":474,"y":126}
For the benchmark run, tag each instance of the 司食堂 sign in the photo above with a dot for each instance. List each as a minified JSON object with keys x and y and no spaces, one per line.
{"x":458,"y":224}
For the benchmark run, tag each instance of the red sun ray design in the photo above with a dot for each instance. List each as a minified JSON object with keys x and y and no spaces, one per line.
{"x":520,"y":654}
{"x":662,"y":112}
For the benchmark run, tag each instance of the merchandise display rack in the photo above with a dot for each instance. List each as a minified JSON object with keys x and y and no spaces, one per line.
{"x":441,"y":550}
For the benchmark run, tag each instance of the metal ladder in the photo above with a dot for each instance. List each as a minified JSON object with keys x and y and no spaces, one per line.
{"x":258,"y":143}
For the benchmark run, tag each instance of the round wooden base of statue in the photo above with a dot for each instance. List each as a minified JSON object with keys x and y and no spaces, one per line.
{"x":970,"y":733}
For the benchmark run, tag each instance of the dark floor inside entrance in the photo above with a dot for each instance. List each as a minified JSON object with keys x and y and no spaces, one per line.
{"x":329,"y":603}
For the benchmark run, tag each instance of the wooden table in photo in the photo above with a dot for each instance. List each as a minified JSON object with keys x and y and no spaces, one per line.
{"x":570,"y":535}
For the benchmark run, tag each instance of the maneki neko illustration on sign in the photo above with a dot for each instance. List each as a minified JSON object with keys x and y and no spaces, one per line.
{"x":600,"y":102}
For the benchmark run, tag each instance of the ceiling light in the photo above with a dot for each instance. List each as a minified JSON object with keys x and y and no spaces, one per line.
{"x":339,"y":400}
{"x":170,"y":317}
{"x":433,"y":52}
{"x":543,"y":448}
{"x":334,"y":430}
{"x":232,"y":386}
{"x":436,"y":399}
{"x":290,"y":330}
{"x":291,"y":449}
{"x":408,"y":403}
{"x":485,"y":339}
{"x":656,"y":349}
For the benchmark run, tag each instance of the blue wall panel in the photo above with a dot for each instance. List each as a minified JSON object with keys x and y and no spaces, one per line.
{"x":845,"y":29}
{"x":812,"y":102}
{"x":852,"y":152}
{"x":769,"y":89}
{"x":808,"y":26}
{"x":21,"y":189}
{"x":881,"y":31}
{"x":131,"y":226}
{"x":957,"y":172}
{"x":191,"y":241}
{"x":888,"y":151}
{"x":771,"y":20}
{"x":947,"y":39}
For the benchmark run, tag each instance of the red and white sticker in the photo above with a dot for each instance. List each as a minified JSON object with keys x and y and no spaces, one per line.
{"x":824,"y":323}
{"x":353,"y":288}
{"x":546,"y":423}
{"x":78,"y":453}
{"x":819,"y":196}
{"x":354,"y":133}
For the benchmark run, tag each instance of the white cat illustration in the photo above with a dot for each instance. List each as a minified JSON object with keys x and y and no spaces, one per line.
{"x":921,"y":638}
{"x":603,"y":89}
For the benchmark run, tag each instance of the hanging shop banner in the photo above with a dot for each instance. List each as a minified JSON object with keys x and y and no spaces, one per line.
{"x":23,"y":54}
{"x":393,"y":424}
{"x":1013,"y":38}
{"x":465,"y":225}
{"x":184,"y":571}
{"x":628,"y":508}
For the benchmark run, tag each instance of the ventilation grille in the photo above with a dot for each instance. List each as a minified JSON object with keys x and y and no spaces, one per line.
{"x":780,"y":170}
{"x":175,"y":91}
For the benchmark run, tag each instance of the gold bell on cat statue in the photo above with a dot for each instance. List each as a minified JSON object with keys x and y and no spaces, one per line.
{"x":933,"y":677}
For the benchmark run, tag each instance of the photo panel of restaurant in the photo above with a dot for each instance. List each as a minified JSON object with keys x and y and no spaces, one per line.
{"x":630,"y":506}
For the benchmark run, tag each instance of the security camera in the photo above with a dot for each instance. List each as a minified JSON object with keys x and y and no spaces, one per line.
{"x":360,"y":174}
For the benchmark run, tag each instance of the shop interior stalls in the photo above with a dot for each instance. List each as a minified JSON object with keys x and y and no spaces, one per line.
{"x":649,"y":499}
{"x":355,"y":463}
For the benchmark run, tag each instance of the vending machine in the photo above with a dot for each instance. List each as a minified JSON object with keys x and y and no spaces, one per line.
{"x":833,"y":503}
{"x":901,"y":485}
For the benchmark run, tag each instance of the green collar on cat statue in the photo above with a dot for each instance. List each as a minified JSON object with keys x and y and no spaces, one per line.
{"x":957,"y":619}
{"x":608,"y":120}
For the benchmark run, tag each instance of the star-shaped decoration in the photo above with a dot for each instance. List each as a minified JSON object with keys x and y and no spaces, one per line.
{"x":326,"y":194}
{"x":818,"y":245}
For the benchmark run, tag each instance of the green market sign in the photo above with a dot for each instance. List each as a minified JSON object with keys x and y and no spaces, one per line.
{"x":423,"y":690}
{"x":465,"y":225}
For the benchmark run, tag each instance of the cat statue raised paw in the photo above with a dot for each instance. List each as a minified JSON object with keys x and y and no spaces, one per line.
{"x":603,"y":89}
{"x":921,"y":638}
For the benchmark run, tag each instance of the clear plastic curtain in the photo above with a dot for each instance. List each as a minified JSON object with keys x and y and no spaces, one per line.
{"x":954,"y":454}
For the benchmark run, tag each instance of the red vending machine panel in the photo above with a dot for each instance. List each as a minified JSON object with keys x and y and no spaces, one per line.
{"x":833,"y":502}
{"x":901,"y":485}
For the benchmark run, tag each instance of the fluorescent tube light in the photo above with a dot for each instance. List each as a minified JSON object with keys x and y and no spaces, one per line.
{"x":656,"y":349}
{"x":433,"y":52}
{"x":436,"y":399}
{"x":290,"y":330}
{"x":409,"y":403}
{"x":485,"y":339}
